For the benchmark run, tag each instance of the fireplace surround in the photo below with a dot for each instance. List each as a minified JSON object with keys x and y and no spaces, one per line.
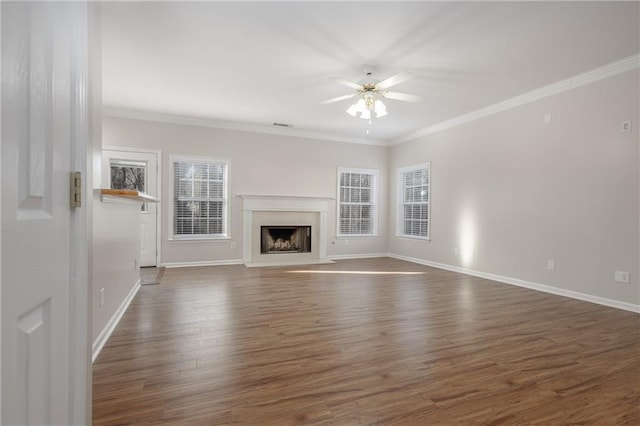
{"x":282,"y":211}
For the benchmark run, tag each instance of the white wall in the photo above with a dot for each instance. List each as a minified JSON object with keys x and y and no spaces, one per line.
{"x":511,"y":189}
{"x":518,"y":192}
{"x":116,"y":249}
{"x":113,"y":229}
{"x":259,"y":164}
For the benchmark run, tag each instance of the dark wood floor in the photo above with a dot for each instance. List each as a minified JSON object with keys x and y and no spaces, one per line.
{"x":343,"y":345}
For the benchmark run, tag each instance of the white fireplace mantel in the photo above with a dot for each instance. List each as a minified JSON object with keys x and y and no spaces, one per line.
{"x":284,"y":202}
{"x":253,"y":203}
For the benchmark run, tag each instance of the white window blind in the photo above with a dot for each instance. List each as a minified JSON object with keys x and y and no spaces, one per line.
{"x":357,"y":206}
{"x":200,"y":199}
{"x":415,"y":193}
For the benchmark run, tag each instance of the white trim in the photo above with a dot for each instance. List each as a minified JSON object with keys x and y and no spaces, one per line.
{"x":158,"y":154}
{"x":290,"y":203}
{"x":400,"y":200}
{"x":228,"y":125}
{"x":284,"y":197}
{"x":104,"y":335}
{"x":412,"y":237}
{"x":526,"y":284}
{"x":601,"y":73}
{"x":199,"y":240}
{"x":1,"y":399}
{"x":283,"y":203}
{"x":171,"y":265}
{"x":592,"y":76}
{"x":173,"y":158}
{"x":127,"y":149}
{"x":374,"y":200}
{"x":356,"y":256}
{"x":79,"y":319}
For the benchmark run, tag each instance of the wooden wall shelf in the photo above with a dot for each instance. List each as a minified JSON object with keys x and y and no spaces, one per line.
{"x":129,"y":194}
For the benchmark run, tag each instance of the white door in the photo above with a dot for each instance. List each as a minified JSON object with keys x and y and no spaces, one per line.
{"x":43,"y":127}
{"x":125,"y":169}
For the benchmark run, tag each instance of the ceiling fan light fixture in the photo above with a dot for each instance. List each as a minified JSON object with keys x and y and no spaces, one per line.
{"x":358,"y":107}
{"x":380,"y":108}
{"x":369,"y":96}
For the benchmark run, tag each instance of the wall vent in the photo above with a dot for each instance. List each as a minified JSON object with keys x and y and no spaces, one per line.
{"x":282,"y":125}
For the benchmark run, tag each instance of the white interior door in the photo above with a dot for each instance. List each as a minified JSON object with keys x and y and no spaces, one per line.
{"x":43,"y":46}
{"x":124,"y":169}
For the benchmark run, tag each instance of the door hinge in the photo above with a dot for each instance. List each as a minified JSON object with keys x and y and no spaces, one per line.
{"x":76,"y":190}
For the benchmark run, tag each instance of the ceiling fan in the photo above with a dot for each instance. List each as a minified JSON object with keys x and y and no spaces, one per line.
{"x":370,"y":95}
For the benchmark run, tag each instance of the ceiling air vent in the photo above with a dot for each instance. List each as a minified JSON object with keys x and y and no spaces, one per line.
{"x":282,"y":125}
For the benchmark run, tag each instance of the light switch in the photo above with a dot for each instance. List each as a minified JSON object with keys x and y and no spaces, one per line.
{"x":625,"y":127}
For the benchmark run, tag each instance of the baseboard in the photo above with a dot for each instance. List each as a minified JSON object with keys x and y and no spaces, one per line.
{"x":356,"y":256}
{"x":202,"y":263}
{"x":104,"y":335}
{"x":526,"y":284}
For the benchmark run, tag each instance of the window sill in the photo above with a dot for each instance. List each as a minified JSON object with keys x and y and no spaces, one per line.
{"x":352,"y":236}
{"x":412,"y":237}
{"x":199,"y":240}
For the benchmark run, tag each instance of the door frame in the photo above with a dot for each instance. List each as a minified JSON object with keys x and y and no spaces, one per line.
{"x":80,"y":366}
{"x":1,"y":222}
{"x":158,"y":154}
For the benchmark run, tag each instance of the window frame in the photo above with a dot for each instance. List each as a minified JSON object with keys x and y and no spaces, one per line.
{"x":374,"y":201}
{"x":194,"y":159}
{"x":400,"y":201}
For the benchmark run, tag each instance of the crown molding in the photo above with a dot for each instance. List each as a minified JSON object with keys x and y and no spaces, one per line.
{"x":229,"y":125}
{"x":597,"y":74}
{"x":609,"y":70}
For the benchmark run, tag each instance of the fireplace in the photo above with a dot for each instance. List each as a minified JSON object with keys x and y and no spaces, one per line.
{"x":285,"y":239}
{"x":281,"y":211}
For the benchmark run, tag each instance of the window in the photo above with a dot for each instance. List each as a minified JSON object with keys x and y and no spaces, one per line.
{"x":413,"y":201}
{"x":129,"y":174}
{"x":357,"y":210}
{"x":199,"y":198}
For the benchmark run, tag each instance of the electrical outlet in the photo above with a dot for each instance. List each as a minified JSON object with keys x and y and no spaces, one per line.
{"x":621,"y":276}
{"x":467,"y":253}
{"x":546,"y":118}
{"x":456,"y":251}
{"x":102,"y":297}
{"x":233,"y":245}
{"x":551,"y":264}
{"x":346,"y":242}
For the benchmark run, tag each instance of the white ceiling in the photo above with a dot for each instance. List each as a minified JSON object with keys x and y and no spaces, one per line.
{"x":265,"y":62}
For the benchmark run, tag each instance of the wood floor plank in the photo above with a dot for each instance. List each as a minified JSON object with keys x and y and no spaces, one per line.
{"x":363,"y":342}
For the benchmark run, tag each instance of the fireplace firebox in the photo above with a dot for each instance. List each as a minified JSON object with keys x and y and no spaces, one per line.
{"x":285,"y":239}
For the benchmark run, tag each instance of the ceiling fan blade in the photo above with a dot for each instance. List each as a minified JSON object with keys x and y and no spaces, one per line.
{"x":347,"y":83}
{"x":393,"y":80}
{"x":402,"y":96}
{"x":338,"y":99}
